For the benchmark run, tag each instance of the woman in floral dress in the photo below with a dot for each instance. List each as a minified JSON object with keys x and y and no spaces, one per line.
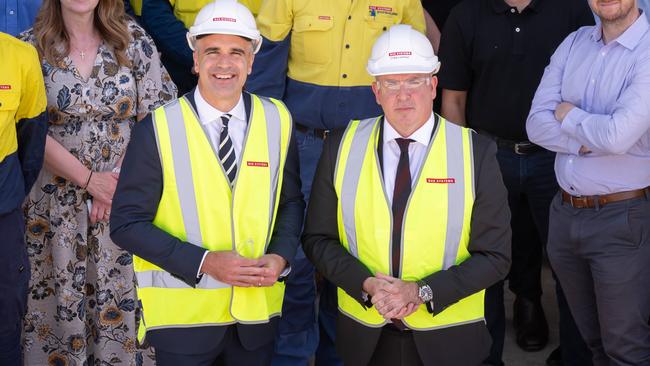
{"x":102,"y":74}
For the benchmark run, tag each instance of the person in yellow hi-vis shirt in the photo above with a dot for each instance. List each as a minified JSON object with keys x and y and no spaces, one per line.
{"x":313,"y":58}
{"x":209,"y":203}
{"x":167,"y":21}
{"x":23,"y":128}
{"x":409,"y":218}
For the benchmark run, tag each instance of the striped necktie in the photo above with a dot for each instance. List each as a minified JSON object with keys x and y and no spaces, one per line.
{"x":227,"y":150}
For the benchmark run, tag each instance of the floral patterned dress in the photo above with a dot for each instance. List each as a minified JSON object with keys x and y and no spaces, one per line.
{"x":82,"y":307}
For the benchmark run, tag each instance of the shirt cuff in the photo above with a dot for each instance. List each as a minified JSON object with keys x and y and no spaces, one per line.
{"x":572,"y":120}
{"x":285,"y":273}
{"x":198,"y":271}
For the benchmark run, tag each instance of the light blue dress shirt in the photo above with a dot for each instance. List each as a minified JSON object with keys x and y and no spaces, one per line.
{"x":17,"y":15}
{"x":610,"y":86}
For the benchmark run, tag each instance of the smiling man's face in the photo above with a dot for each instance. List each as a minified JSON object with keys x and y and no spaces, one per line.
{"x":223,"y":63}
{"x":612,"y":10}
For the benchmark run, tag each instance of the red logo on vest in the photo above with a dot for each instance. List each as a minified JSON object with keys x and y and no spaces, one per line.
{"x":260,"y":164}
{"x":324,"y":17}
{"x":441,"y":180}
{"x":224,"y":19}
{"x":5,"y":87}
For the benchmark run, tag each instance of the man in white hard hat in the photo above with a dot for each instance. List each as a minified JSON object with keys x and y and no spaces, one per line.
{"x":209,"y":203}
{"x":408,"y":217}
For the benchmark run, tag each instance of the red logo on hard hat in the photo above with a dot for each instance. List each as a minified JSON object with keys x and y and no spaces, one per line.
{"x":441,"y":180}
{"x":324,"y":17}
{"x":224,"y":19}
{"x":261,"y":164}
{"x":5,"y":87}
{"x":400,"y":53}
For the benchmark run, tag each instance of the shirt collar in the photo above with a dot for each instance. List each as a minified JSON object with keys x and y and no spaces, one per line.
{"x":422,"y":135}
{"x":632,"y":35}
{"x":208,"y":114}
{"x":500,"y":6}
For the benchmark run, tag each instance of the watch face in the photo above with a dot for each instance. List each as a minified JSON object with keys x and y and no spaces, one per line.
{"x":425,"y":293}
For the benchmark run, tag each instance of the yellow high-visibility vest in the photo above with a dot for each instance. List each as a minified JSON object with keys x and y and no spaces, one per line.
{"x":436,"y":225}
{"x":199,"y":207}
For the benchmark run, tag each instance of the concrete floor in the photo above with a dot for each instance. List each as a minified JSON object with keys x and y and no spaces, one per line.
{"x":512,"y":354}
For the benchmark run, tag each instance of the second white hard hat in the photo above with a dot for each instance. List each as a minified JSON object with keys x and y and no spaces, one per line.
{"x":225,"y":17}
{"x":402,"y":50}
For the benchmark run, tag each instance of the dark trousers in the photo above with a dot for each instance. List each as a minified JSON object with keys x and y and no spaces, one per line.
{"x":14,"y":283}
{"x":395,"y":348}
{"x":230,"y":352}
{"x":531,"y":184}
{"x":298,"y":335}
{"x":602,"y":258}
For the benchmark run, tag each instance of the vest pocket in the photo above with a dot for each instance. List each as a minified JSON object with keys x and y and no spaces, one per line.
{"x":311,"y":39}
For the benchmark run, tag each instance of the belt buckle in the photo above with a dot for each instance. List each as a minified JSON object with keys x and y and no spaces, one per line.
{"x":325,"y":134}
{"x":518,"y":147}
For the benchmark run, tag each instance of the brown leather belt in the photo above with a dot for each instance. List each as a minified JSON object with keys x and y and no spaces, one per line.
{"x":602,"y":200}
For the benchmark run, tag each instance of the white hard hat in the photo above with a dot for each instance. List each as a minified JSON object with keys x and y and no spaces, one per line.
{"x":225,"y":17}
{"x":402,"y":50}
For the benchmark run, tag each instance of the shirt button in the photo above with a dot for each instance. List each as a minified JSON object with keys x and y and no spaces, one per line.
{"x":344,"y":76}
{"x":11,"y":12}
{"x":593,"y":81}
{"x":349,"y":17}
{"x":602,"y":53}
{"x":347,"y":46}
{"x":517,"y":29}
{"x":512,"y":10}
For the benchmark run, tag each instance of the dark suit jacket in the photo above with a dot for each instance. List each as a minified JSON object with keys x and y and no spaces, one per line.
{"x":135,"y":205}
{"x":489,"y":262}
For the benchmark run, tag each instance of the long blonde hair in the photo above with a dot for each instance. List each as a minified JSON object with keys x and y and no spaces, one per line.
{"x":52,"y":36}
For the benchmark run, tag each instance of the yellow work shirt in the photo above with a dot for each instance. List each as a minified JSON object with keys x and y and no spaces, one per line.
{"x":331,"y":40}
{"x":22,"y":97}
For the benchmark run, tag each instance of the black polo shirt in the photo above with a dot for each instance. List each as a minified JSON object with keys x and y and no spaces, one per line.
{"x":439,"y":10}
{"x":498,"y":55}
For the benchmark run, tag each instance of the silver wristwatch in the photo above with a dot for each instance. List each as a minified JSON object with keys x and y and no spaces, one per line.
{"x":424,"y":292}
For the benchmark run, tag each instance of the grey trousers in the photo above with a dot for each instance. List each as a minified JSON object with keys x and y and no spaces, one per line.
{"x":602,"y":258}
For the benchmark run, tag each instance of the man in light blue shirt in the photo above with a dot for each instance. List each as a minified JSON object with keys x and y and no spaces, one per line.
{"x":593,"y":108}
{"x":17,"y":15}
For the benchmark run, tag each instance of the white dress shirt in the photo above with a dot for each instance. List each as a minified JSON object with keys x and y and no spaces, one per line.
{"x":210,"y":118}
{"x":417,"y":153}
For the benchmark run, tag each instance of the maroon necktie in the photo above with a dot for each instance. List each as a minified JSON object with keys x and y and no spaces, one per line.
{"x":401,"y":194}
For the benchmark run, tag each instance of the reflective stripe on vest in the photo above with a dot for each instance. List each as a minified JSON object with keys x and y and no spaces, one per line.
{"x":445,"y":184}
{"x":197,"y":206}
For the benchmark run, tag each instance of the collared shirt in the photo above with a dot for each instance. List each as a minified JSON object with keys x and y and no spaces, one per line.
{"x":17,"y":15}
{"x":210,"y":118}
{"x":417,"y":152}
{"x":498,"y":55}
{"x":23,"y":121}
{"x":610,"y":86}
